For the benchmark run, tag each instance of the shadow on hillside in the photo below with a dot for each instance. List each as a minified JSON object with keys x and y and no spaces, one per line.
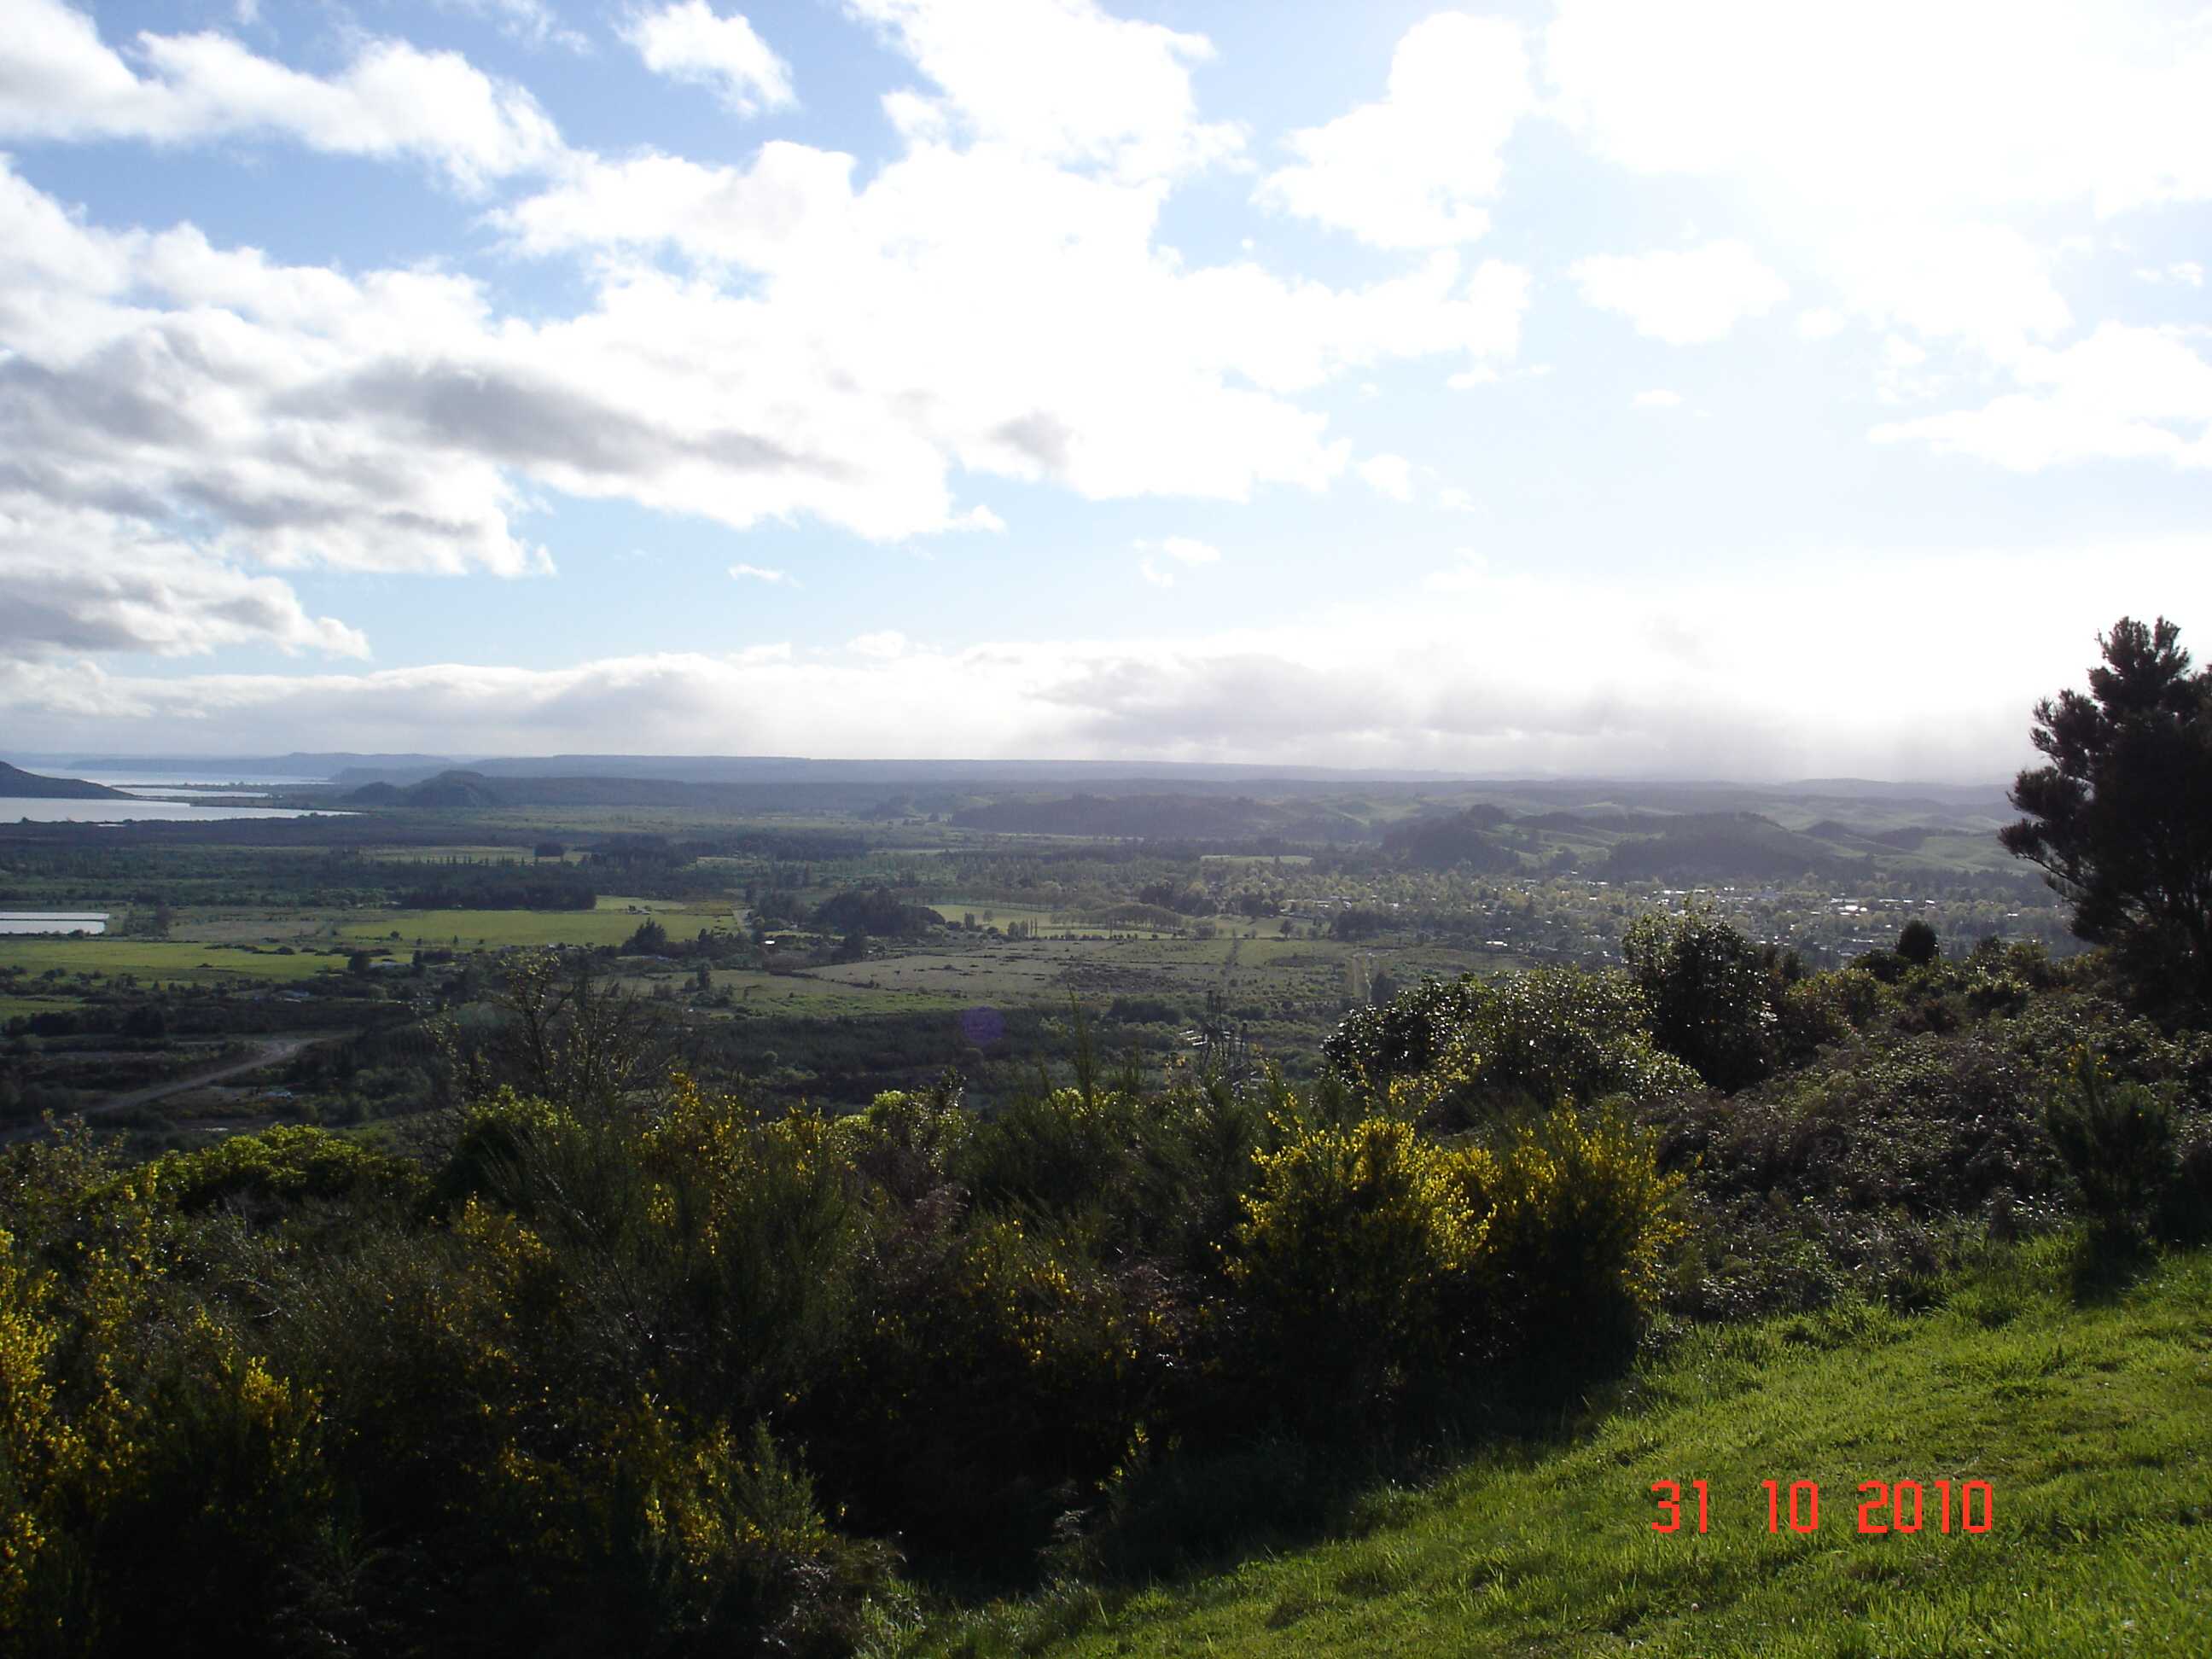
{"x":1176,"y":1518}
{"x":2106,"y":1262}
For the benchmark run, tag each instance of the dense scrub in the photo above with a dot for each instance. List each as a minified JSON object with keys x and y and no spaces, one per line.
{"x":595,"y":1366}
{"x":584,"y":1378}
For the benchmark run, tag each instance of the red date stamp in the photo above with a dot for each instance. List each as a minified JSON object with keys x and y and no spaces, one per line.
{"x":1887,"y":1506}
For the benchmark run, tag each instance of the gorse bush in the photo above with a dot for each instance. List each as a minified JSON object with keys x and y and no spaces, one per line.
{"x":1577,"y":1218}
{"x":132,"y":1417}
{"x":1371,"y":1250}
{"x":1347,"y":1248}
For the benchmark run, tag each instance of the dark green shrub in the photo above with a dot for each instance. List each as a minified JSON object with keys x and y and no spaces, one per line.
{"x":717,"y":1542}
{"x":1711,"y":992}
{"x":1000,"y":1375}
{"x":281,"y":1167}
{"x":2185,"y":1215}
{"x":1917,"y":943}
{"x":1533,"y":1039}
{"x":2118,"y":1142}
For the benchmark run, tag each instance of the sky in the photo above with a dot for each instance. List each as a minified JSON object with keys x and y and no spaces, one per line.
{"x":1703,"y":388}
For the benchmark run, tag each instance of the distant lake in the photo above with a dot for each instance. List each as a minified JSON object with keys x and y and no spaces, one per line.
{"x":15,"y":807}
{"x":188,"y":791}
{"x":53,"y":921}
{"x":209,"y":788}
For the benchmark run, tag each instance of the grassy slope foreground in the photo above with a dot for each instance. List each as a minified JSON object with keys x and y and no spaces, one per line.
{"x":2092,"y":1422}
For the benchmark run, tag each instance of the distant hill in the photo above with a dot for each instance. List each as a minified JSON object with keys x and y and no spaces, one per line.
{"x":1726,"y":847}
{"x":295,"y":765}
{"x":447,"y":789}
{"x":18,"y":785}
{"x":1460,"y":841}
{"x":1163,"y":817}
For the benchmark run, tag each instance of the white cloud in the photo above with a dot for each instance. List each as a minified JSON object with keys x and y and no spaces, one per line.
{"x":1896,"y":109}
{"x":1986,"y":285}
{"x":1412,"y":170}
{"x":74,"y":580}
{"x":687,"y":41}
{"x":1659,"y":397}
{"x":1683,"y":298}
{"x":1923,"y":160}
{"x":1388,"y":475}
{"x":1902,"y":374}
{"x":2123,"y":393}
{"x":1188,"y":549}
{"x":1469,"y":573}
{"x":977,"y":308}
{"x":1461,"y":672}
{"x":2185,"y":273}
{"x":533,"y":22}
{"x":291,"y":415}
{"x":885,"y":644}
{"x":1185,"y":548}
{"x":1454,"y":500}
{"x":392,"y":102}
{"x":810,"y":348}
{"x":1058,"y":81}
{"x":1821,"y":323}
{"x":754,"y":573}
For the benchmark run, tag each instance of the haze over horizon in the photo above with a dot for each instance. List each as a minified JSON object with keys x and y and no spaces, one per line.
{"x":1044,"y":771}
{"x":1705,"y":390}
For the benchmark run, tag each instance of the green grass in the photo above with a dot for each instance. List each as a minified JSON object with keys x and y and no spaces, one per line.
{"x":184,"y":961}
{"x":2090,"y":1422}
{"x":1045,"y":921}
{"x":612,"y":922}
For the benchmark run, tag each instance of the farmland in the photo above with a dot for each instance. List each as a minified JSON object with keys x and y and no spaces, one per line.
{"x":730,"y":928}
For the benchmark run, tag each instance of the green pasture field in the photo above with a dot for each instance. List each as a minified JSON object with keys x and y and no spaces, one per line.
{"x":1038,"y":971}
{"x":159,"y":961}
{"x":611,"y":922}
{"x":720,"y":909}
{"x":2084,"y":1413}
{"x":1315,"y":975}
{"x":814,"y":992}
{"x":1963,"y":852}
{"x":1047,"y":921}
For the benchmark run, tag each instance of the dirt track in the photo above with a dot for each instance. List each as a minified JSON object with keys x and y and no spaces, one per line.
{"x":269,"y":1052}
